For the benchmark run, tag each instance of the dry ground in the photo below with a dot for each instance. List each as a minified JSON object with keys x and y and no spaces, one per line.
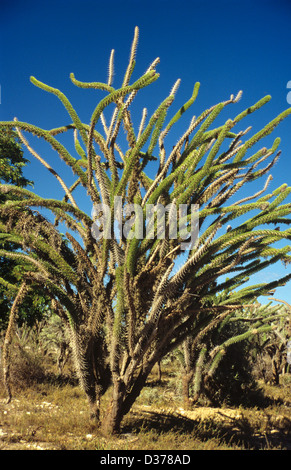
{"x":55,"y":417}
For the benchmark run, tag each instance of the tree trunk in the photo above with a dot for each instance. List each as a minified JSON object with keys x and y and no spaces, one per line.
{"x":275,"y":372}
{"x":94,"y":402}
{"x":122,"y":401}
{"x":186,"y":381}
{"x":94,"y":375}
{"x":115,"y":411}
{"x":277,"y":362}
{"x":159,"y":372}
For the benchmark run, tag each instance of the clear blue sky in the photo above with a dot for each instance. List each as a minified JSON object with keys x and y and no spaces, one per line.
{"x":225,"y":45}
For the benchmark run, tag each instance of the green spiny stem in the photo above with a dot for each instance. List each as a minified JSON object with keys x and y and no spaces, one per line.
{"x":156,"y":132}
{"x":142,"y":82}
{"x":247,"y":272}
{"x":200,"y":135}
{"x":61,"y":129}
{"x":78,"y":146}
{"x":260,"y":289}
{"x":182,"y":110}
{"x":252,"y":108}
{"x":74,"y":116}
{"x":67,"y":301}
{"x":55,"y":257}
{"x":113,"y":97}
{"x":190,"y":163}
{"x":33,"y":199}
{"x":22,"y":258}
{"x":220,"y":138}
{"x":266,"y":218}
{"x":131,"y":63}
{"x":60,"y":149}
{"x":218,"y":356}
{"x":135,"y":153}
{"x":123,"y":116}
{"x":263,"y":133}
{"x":213,"y":113}
{"x":96,"y":85}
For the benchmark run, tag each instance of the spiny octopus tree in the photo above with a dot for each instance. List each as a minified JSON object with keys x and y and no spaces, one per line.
{"x":127,"y":294}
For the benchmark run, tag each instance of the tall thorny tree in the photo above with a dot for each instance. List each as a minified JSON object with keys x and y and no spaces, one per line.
{"x":129,"y":301}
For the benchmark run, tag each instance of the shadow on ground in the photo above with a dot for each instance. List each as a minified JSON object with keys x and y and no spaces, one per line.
{"x":230,"y":430}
